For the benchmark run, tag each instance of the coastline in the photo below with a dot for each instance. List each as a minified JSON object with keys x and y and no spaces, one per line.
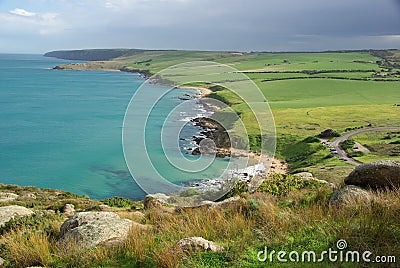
{"x":205,"y":129}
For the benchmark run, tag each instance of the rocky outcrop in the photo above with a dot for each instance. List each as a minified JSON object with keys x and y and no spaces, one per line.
{"x":103,"y":207}
{"x":5,"y":197}
{"x":307,"y":176}
{"x":222,"y":204}
{"x":304,"y":175}
{"x":377,"y":175}
{"x":194,"y":244}
{"x":157,"y":200}
{"x":350,"y":195}
{"x":9,"y":212}
{"x":69,"y":210}
{"x":88,"y":229}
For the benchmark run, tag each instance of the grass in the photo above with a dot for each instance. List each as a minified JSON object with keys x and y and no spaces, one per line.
{"x":381,"y":144}
{"x":294,"y":215}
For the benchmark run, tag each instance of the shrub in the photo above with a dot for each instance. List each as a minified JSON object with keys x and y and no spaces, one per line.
{"x":119,"y":202}
{"x":311,"y":139}
{"x":328,"y":133}
{"x":356,"y":154}
{"x":282,"y":184}
{"x":347,"y":144}
{"x":189,"y":192}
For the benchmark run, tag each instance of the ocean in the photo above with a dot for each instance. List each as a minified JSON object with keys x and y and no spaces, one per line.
{"x":62,"y":129}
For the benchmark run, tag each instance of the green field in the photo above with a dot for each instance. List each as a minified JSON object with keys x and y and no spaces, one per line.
{"x":382,"y":144}
{"x":307,"y":92}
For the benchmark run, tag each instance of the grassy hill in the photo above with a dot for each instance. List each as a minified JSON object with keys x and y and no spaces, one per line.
{"x":307,"y":92}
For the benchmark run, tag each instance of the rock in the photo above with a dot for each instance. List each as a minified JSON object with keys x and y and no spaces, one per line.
{"x":375,"y":175}
{"x":103,"y":207}
{"x":29,"y":196}
{"x":9,"y":212}
{"x":194,"y":244}
{"x":155,"y":200}
{"x":349,"y":195}
{"x":307,"y":176}
{"x":69,"y":210}
{"x":89,"y":229}
{"x":222,"y":204}
{"x":304,"y":175}
{"x":5,"y":197}
{"x":2,"y":261}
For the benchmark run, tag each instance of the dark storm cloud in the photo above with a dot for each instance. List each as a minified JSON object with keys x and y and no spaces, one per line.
{"x":212,"y":24}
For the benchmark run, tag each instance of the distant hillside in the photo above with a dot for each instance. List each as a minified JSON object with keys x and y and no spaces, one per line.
{"x":92,"y":54}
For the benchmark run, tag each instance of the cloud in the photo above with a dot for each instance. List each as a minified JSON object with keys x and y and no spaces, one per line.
{"x":22,"y":12}
{"x":20,"y":22}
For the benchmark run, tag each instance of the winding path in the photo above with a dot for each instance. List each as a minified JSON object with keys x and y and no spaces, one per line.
{"x":342,"y":153}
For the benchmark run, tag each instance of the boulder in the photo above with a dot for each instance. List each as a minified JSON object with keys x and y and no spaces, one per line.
{"x":9,"y":212}
{"x":304,"y":175}
{"x":103,"y":207}
{"x":194,"y":244}
{"x":5,"y":197}
{"x":155,"y":200}
{"x":381,"y":174}
{"x":28,"y":196}
{"x":69,"y":210}
{"x":222,"y":204}
{"x":349,"y":195}
{"x":307,"y":176}
{"x":89,"y":229}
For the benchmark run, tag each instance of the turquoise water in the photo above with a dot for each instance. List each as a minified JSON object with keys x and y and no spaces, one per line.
{"x":62,"y":129}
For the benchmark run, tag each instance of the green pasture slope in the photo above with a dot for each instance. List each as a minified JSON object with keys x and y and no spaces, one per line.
{"x":307,"y":92}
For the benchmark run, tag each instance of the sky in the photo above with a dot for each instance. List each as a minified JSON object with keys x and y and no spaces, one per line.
{"x":38,"y":26}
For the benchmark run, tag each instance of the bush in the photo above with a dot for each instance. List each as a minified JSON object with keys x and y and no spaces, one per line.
{"x":347,"y":144}
{"x":119,"y":202}
{"x":238,"y":188}
{"x":282,"y":184}
{"x":311,"y":139}
{"x":356,"y":154}
{"x":189,"y":192}
{"x":328,"y":133}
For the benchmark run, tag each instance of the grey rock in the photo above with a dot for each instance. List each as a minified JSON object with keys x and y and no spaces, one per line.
{"x":194,"y":244}
{"x":155,"y":200}
{"x":307,"y":176}
{"x":222,"y":204}
{"x":69,"y":210}
{"x":5,"y":197}
{"x":103,"y":207}
{"x":304,"y":175}
{"x":9,"y":212}
{"x":28,"y":196}
{"x":375,"y":175}
{"x":349,"y":195}
{"x":89,"y":229}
